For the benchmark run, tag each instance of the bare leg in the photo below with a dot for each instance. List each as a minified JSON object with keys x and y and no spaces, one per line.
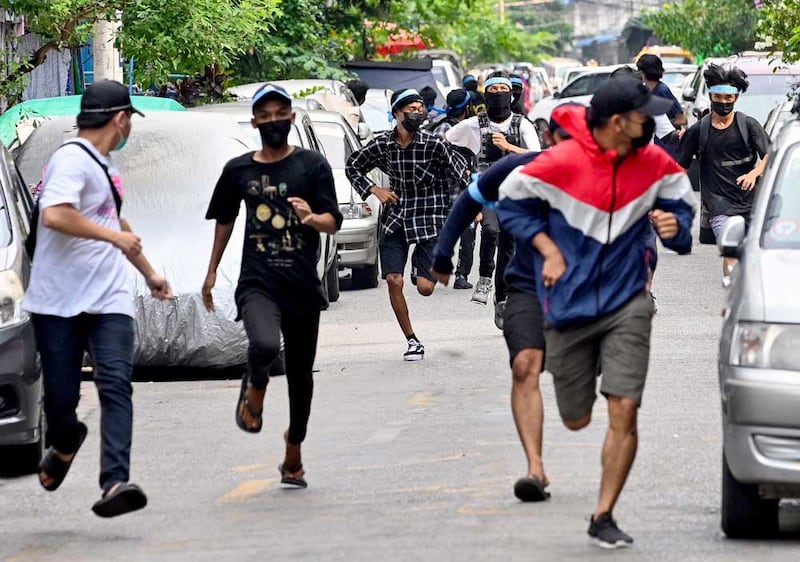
{"x":526,"y":404}
{"x":619,"y":450}
{"x":727,"y":265}
{"x":398,"y":300}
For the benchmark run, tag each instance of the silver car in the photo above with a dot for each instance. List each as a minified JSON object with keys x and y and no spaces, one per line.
{"x":759,"y":361}
{"x":21,"y":420}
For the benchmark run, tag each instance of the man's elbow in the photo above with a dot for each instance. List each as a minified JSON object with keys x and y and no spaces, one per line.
{"x":51,"y":217}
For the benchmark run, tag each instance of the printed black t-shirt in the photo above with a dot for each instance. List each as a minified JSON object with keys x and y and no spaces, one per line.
{"x":280,"y":253}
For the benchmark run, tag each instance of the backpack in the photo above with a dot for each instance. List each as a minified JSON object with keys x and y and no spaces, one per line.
{"x":30,"y":241}
{"x":513,"y":136}
{"x":741,"y":124}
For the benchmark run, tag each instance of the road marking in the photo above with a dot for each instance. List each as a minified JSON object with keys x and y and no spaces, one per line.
{"x":251,"y":468}
{"x":422,"y":399}
{"x":384,"y":435}
{"x":246,"y":490}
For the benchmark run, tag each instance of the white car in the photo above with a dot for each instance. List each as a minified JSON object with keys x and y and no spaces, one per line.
{"x":357,"y":241}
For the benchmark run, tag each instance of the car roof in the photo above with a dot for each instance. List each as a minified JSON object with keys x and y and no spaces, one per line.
{"x":763,"y":65}
{"x":236,"y":108}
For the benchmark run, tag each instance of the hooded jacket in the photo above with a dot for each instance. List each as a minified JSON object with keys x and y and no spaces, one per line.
{"x":595,"y":207}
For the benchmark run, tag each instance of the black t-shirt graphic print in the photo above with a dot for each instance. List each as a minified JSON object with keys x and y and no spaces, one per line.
{"x":279,"y":253}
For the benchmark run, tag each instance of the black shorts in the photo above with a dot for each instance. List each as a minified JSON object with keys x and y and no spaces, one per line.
{"x":523,"y":322}
{"x":394,"y":255}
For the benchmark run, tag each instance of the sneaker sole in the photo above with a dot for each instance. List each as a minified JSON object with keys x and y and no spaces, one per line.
{"x":413,"y":357}
{"x":610,"y":546}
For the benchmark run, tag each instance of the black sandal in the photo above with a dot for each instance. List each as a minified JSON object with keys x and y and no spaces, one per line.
{"x":243,"y":402}
{"x":56,"y":468}
{"x":291,"y":480}
{"x":120,"y":500}
{"x":530,"y":489}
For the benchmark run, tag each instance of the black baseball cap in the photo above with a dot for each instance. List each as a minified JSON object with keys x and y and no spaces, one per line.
{"x":622,"y":94}
{"x":106,"y":97}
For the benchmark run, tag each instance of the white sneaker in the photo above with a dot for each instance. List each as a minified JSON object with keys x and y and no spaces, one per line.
{"x":482,"y":289}
{"x":726,"y":281}
{"x":415,"y":352}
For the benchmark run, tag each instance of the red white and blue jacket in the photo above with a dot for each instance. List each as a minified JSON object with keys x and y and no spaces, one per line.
{"x":594,"y":205}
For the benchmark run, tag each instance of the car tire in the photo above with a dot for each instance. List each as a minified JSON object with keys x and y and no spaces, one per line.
{"x":745,"y":514}
{"x":332,"y":280}
{"x":365,"y":277}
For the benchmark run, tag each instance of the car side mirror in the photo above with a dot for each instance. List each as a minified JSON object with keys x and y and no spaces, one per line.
{"x":364,"y":131}
{"x":556,"y":95}
{"x":731,"y":238}
{"x":689,"y":94}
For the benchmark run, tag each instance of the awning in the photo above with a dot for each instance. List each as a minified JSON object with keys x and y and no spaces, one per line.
{"x":596,"y":40}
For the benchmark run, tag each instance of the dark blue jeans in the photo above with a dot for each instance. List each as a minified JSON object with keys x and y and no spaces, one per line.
{"x":109,"y":340}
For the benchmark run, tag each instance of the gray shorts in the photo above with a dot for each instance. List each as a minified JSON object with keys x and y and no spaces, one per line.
{"x":717,"y":222}
{"x":616,"y":345}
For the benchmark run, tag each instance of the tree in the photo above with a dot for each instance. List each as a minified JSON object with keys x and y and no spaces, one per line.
{"x":779,"y":27}
{"x":708,"y":28}
{"x":162,"y":37}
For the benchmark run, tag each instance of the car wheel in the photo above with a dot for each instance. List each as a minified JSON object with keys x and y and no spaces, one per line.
{"x":332,"y":280}
{"x":745,"y":514}
{"x":365,"y":277}
{"x":541,"y":126}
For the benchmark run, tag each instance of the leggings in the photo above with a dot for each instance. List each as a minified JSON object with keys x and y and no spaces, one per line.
{"x":264,"y":320}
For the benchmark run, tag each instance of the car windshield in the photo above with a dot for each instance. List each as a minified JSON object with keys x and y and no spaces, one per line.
{"x":675,"y":59}
{"x":765,"y":92}
{"x":334,"y":141}
{"x":675,"y":79}
{"x":782,"y":226}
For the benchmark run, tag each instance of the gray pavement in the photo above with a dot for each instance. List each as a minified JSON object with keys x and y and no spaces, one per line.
{"x":407,"y":461}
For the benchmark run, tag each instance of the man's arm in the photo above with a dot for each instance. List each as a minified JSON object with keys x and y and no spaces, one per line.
{"x":66,"y":219}
{"x":222,"y":234}
{"x":359,"y":164}
{"x":521,"y":209}
{"x":674,"y":211}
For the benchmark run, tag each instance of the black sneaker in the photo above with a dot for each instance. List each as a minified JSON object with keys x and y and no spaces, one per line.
{"x":414,"y":276}
{"x":415,"y":352}
{"x":606,"y":534}
{"x":462,"y":283}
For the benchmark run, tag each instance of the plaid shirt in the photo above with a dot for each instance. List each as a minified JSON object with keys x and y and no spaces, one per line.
{"x":423,"y":175}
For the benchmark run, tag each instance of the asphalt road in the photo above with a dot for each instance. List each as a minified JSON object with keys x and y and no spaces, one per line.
{"x":407,"y":461}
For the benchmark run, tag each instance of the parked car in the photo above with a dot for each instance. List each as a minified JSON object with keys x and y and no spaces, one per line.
{"x":675,"y":76}
{"x":377,"y":109}
{"x":302,"y":134}
{"x":667,"y":53}
{"x":777,"y":118}
{"x":21,"y":414}
{"x":556,"y":67}
{"x":357,"y":241}
{"x":169,"y":168}
{"x":759,"y":366}
{"x":580,"y":90}
{"x":770,"y":82}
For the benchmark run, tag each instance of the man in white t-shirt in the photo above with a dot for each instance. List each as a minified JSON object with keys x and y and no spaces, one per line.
{"x":490,"y":136}
{"x":80,"y":297}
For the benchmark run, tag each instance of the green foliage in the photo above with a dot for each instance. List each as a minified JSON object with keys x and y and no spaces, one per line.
{"x":779,"y":27}
{"x":185,"y":37}
{"x":708,"y":28}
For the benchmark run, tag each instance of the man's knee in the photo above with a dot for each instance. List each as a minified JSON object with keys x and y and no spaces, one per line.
{"x":425,"y":287}
{"x":575,"y":425}
{"x":264,"y":350}
{"x":395,"y":281}
{"x":491,"y":230}
{"x":622,"y":413}
{"x":527,"y":366}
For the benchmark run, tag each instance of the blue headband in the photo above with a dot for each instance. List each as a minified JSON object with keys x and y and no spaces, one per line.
{"x":497,"y":80}
{"x":722,"y":89}
{"x":468,"y":78}
{"x":517,"y":81}
{"x":459,"y":106}
{"x":410,"y":93}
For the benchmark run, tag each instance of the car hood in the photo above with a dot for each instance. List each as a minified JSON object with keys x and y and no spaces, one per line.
{"x":778,"y":271}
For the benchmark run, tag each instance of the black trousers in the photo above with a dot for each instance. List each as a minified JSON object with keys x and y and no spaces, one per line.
{"x":264,"y":319}
{"x":505,"y":251}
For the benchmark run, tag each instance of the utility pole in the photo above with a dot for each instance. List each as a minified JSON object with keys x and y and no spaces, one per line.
{"x":105,"y":56}
{"x":502,"y":8}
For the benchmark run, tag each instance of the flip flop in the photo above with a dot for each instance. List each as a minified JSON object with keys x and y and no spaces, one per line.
{"x":530,"y":489}
{"x":57,"y":468}
{"x":243,"y":400}
{"x":123,"y":499}
{"x":290,"y":480}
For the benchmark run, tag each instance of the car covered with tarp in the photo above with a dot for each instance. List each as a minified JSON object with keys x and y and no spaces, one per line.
{"x":169,"y":169}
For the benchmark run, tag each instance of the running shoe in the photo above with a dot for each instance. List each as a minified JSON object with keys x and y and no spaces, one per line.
{"x":462,"y":283}
{"x":482,"y":290}
{"x":415,"y":352}
{"x":499,"y":313}
{"x":606,"y":534}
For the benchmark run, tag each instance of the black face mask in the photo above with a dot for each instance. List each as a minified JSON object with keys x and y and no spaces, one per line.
{"x":648,"y":128}
{"x":498,"y":106}
{"x":274,"y":134}
{"x":412,"y":121}
{"x":722,"y":108}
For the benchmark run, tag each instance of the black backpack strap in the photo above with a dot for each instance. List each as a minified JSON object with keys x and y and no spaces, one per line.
{"x":514,"y":135}
{"x":705,"y":133}
{"x":114,"y":192}
{"x":485,"y":128}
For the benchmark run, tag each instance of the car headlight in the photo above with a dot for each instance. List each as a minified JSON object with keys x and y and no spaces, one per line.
{"x":355,"y":210}
{"x":11,"y":294}
{"x":766,"y":346}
